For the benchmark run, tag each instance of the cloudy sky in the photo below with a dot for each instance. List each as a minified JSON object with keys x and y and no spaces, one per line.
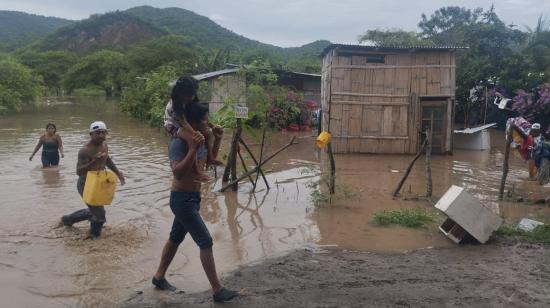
{"x":296,"y":22}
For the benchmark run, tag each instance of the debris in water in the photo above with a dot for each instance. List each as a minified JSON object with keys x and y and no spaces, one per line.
{"x":528,"y":225}
{"x":466,"y":216}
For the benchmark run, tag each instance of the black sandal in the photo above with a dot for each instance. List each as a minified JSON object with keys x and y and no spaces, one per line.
{"x":163,"y":284}
{"x":225,"y":295}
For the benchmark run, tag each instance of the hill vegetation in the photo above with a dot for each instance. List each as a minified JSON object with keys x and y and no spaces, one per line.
{"x":110,"y":52}
{"x":18,"y":29}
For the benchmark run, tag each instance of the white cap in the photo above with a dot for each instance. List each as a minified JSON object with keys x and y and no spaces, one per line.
{"x":97,"y":125}
{"x":535,"y":126}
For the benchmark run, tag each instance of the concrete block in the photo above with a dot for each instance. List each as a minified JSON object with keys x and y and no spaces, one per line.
{"x":467,"y":214}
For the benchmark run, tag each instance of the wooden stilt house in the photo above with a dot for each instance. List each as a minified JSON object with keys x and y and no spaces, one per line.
{"x":379,"y":99}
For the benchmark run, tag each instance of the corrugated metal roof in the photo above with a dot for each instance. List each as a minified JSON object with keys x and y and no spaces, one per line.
{"x":281,"y":71}
{"x":307,"y":74}
{"x":389,"y":48}
{"x":215,"y":73}
{"x":473,"y":130}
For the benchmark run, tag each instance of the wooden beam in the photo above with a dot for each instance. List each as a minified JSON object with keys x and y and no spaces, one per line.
{"x":369,"y":95}
{"x":376,"y":137}
{"x":378,"y":67}
{"x":372,"y":103}
{"x":255,"y":169}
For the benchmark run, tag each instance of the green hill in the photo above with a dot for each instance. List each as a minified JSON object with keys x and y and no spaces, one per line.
{"x":146,"y":24}
{"x":203,"y":30}
{"x":210,"y":35}
{"x":115,"y":29}
{"x":18,"y":29}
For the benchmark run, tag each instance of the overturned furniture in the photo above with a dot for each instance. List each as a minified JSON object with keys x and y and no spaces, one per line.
{"x":466,"y":216}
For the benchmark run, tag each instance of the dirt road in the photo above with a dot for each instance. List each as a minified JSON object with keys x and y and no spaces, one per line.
{"x":502,"y":273}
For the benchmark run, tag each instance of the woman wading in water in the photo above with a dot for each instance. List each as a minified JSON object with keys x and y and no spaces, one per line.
{"x":51,"y":145}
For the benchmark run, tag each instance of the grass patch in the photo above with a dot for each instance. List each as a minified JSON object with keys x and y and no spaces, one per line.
{"x":539,"y":235}
{"x":411,"y":218}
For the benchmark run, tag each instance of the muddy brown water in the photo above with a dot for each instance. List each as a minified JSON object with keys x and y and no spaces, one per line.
{"x":41,"y":265}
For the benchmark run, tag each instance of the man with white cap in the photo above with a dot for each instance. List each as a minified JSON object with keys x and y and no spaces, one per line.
{"x":93,"y":156}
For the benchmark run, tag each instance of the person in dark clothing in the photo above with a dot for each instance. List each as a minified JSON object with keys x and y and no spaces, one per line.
{"x":185,"y":198}
{"x":92,"y":156}
{"x":51,"y":145}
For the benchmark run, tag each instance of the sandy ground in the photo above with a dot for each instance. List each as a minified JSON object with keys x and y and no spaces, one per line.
{"x":502,"y":273}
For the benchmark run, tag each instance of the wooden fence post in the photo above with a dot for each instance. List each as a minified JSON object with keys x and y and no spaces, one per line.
{"x":509,"y":139}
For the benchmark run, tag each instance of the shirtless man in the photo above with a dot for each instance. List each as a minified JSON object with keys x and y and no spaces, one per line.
{"x":185,"y":200}
{"x":93,"y":156}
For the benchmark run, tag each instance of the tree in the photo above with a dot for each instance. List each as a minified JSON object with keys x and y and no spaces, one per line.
{"x":177,"y":51}
{"x":106,"y":69}
{"x":393,"y":37}
{"x":534,"y":107}
{"x":213,"y":61}
{"x":446,"y":24}
{"x":538,"y":47}
{"x":51,"y":65}
{"x":18,"y":85}
{"x":147,"y":96}
{"x":493,"y":56}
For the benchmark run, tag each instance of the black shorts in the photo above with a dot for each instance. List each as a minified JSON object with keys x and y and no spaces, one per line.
{"x":186,"y":206}
{"x":50,"y":159}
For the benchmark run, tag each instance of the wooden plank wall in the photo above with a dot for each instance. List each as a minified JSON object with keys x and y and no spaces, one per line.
{"x":374,"y":107}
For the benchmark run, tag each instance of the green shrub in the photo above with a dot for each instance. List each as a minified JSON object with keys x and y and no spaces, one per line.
{"x":18,"y":85}
{"x":539,"y":235}
{"x":412,"y":218}
{"x":148,"y":95}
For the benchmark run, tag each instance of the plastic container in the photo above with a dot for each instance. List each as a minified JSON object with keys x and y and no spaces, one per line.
{"x":323,"y":139}
{"x":100,"y":188}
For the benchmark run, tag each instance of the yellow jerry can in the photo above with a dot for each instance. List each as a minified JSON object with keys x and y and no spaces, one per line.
{"x":99,"y":188}
{"x":323,"y":139}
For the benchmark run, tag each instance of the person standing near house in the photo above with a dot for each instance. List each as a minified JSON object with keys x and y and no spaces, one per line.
{"x":93,"y":156}
{"x":51,"y":145}
{"x":185,"y":201}
{"x":527,"y":146}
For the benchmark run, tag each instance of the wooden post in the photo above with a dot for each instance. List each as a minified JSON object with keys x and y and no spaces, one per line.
{"x":231,"y":167}
{"x":332,"y":180}
{"x":255,"y":169}
{"x":429,"y":134}
{"x":261,"y":156}
{"x":409,"y":168}
{"x":505,"y":164}
{"x":244,"y":166}
{"x":429,"y":163}
{"x":235,"y":186}
{"x":232,"y":154}
{"x":255,"y":161}
{"x":486,"y":106}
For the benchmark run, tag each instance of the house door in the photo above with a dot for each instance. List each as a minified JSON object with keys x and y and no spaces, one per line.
{"x":434,"y":115}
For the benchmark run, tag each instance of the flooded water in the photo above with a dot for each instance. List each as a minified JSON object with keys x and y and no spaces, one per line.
{"x":42,"y":265}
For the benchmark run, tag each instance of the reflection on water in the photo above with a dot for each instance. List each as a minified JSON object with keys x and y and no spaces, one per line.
{"x":42,"y":265}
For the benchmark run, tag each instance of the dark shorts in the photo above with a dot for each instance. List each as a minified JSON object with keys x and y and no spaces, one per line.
{"x":50,"y":159}
{"x":186,"y":206}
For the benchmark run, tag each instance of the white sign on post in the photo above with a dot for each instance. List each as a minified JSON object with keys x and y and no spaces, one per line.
{"x":241,"y":112}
